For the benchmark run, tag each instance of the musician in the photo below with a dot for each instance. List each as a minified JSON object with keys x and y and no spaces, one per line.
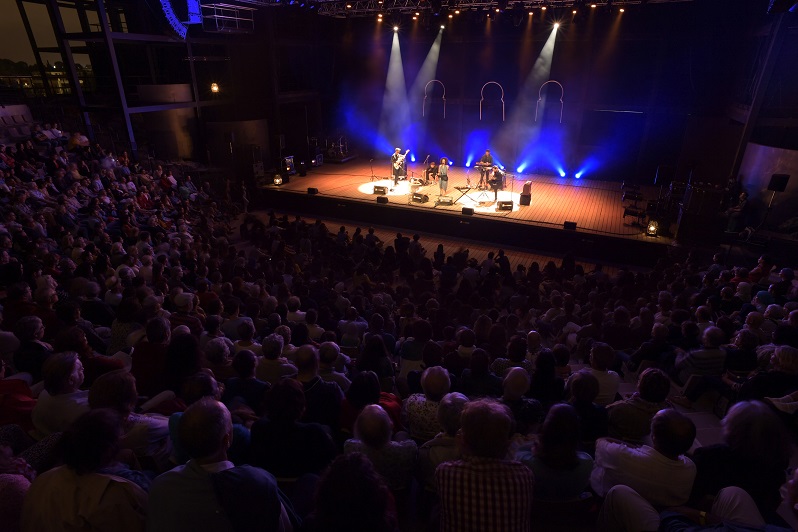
{"x":495,"y":181}
{"x":399,"y":166}
{"x":443,"y":176}
{"x":484,"y":165}
{"x":431,"y":172}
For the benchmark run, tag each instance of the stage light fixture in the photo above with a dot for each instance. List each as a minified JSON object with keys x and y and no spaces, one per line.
{"x":395,"y":29}
{"x":417,"y":13}
{"x":593,"y":6}
{"x":652,"y":228}
{"x":556,"y":25}
{"x":574,"y":11}
{"x":451,"y":16}
{"x":622,"y":10}
{"x":214,"y":88}
{"x":441,"y":26}
{"x":349,"y":6}
{"x":415,"y":18}
{"x":543,"y":8}
{"x":456,"y":11}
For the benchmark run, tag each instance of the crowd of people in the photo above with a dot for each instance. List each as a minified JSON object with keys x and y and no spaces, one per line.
{"x":169,"y":373}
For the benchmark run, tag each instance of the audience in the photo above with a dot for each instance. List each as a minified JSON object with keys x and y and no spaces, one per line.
{"x":100,"y":256}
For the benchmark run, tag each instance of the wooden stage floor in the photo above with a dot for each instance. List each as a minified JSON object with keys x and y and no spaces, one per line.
{"x":595,"y":206}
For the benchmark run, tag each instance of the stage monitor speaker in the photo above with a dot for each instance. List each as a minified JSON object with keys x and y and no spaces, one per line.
{"x":778,"y":182}
{"x":313,"y":190}
{"x":382,"y":199}
{"x":380,"y":190}
{"x":526,"y":200}
{"x":527,"y":188}
{"x":570,"y":226}
{"x":445,"y":200}
{"x":468,"y":211}
{"x":419,"y":198}
{"x":504,"y":206}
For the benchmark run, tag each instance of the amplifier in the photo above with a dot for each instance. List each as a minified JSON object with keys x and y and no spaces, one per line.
{"x":445,"y":200}
{"x":381,"y":191}
{"x":419,"y":198}
{"x":382,"y":199}
{"x":526,"y":200}
{"x":504,"y":206}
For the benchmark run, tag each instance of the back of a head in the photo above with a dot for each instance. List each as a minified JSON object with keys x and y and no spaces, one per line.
{"x":307,"y":360}
{"x":714,"y":337}
{"x":158,"y":330}
{"x":244,"y":363}
{"x":364,"y":390}
{"x":203,"y":428}
{"x":756,"y":434}
{"x":449,"y":410}
{"x":352,"y":496}
{"x":91,"y":441}
{"x":115,"y":390}
{"x":601,"y":356}
{"x":329,"y":352}
{"x":486,"y":426}
{"x":584,"y":387}
{"x":217,"y":351}
{"x":559,"y":437}
{"x":516,"y":349}
{"x":198,"y":386}
{"x":373,"y":427}
{"x":672,"y":432}
{"x":272,"y":346}
{"x":654,"y":385}
{"x":285,"y":401}
{"x":479,"y":363}
{"x":435,"y":383}
{"x":516,"y":384}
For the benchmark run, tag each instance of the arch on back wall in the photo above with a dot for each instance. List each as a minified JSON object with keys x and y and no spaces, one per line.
{"x":424,"y":103}
{"x":482,"y":97}
{"x":540,"y":98}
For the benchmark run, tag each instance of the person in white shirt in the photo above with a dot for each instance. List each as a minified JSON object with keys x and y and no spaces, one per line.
{"x":660,"y":474}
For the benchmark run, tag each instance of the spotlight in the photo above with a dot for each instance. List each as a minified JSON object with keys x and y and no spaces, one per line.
{"x":543,"y":8}
{"x":622,"y":10}
{"x":441,"y":26}
{"x":451,"y":16}
{"x":498,"y":10}
{"x":574,"y":11}
{"x":415,"y":18}
{"x":395,"y":29}
{"x":531,"y":13}
{"x":417,"y":13}
{"x":349,"y":6}
{"x":593,"y":6}
{"x":214,"y":88}
{"x":456,"y":11}
{"x":652,"y":228}
{"x":556,"y":25}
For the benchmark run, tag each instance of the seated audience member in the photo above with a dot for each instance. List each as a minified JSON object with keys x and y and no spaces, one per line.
{"x":323,"y":398}
{"x":32,"y":351}
{"x":246,"y":333}
{"x":244,"y":387}
{"x":352,"y":496}
{"x":283,"y":445}
{"x":706,"y":360}
{"x":217,"y":358}
{"x":365,"y":390}
{"x":443,"y":447}
{"x":183,"y":359}
{"x":147,"y":435}
{"x":328,"y":357}
{"x":15,"y":478}
{"x":421,"y":410}
{"x":94,"y":364}
{"x":516,"y":358}
{"x":209,"y":492}
{"x":464,"y":485}
{"x":546,"y":386}
{"x":602,"y":356}
{"x":753,"y":456}
{"x":593,"y":418}
{"x":395,"y":460}
{"x":562,"y":472}
{"x":376,"y":357}
{"x":477,"y":380}
{"x":562,"y":359}
{"x":96,"y":501}
{"x":16,"y":399}
{"x":527,"y":413}
{"x":630,"y":418}
{"x":658,"y":350}
{"x":661,"y":474}
{"x":149,"y":358}
{"x":273,"y":366}
{"x":62,"y":400}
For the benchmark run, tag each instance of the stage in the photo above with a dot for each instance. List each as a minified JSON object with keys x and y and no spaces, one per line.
{"x":601,"y":232}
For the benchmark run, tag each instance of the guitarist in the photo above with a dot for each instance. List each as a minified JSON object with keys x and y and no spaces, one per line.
{"x":495,"y":180}
{"x":485,"y":164}
{"x":399,"y":165}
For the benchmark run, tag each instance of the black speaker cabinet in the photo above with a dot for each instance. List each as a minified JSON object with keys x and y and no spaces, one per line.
{"x":380,"y":190}
{"x":526,"y":200}
{"x":468,"y":211}
{"x":313,"y":190}
{"x":570,"y":226}
{"x":382,"y":199}
{"x":419,"y":198}
{"x":778,"y":182}
{"x":504,"y":206}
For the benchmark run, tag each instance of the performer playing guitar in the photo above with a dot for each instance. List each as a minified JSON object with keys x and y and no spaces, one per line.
{"x":495,"y":181}
{"x":485,"y":163}
{"x":399,"y":165}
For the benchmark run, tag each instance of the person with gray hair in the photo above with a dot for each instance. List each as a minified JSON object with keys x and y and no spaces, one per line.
{"x":443,"y":447}
{"x":209,"y":492}
{"x":394,"y":459}
{"x":217,"y":359}
{"x":273,"y":366}
{"x":421,"y":410}
{"x":329,"y":354}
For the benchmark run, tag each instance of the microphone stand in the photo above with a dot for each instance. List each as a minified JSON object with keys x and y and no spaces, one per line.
{"x":371,"y":162}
